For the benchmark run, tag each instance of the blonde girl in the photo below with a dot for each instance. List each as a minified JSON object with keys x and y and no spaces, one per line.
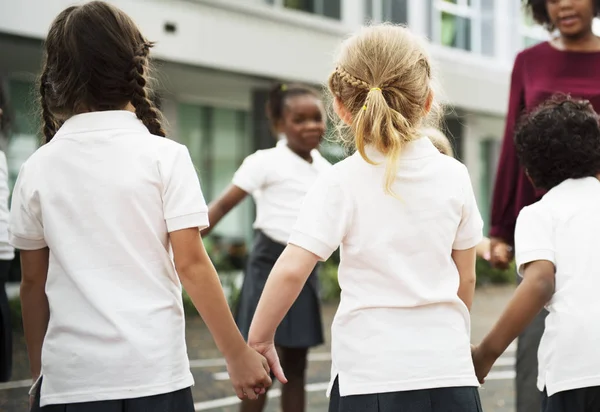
{"x":442,"y":143}
{"x":407,"y":223}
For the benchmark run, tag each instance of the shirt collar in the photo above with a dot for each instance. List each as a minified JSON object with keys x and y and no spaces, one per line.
{"x":416,"y":149}
{"x":102,"y":120}
{"x":282,"y":144}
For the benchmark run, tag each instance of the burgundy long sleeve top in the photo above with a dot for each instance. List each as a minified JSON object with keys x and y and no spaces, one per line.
{"x":538,"y":73}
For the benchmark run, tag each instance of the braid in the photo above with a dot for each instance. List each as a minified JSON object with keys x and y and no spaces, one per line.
{"x":50,"y":125}
{"x":144,"y":108}
{"x":352,"y":80}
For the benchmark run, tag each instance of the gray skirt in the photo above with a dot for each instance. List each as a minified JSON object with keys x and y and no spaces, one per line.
{"x":302,"y":326}
{"x":458,"y":399}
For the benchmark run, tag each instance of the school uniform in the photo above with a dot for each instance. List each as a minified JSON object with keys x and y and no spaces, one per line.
{"x":562,"y":228}
{"x":401,"y":335}
{"x":278,"y":180}
{"x":103,"y":196}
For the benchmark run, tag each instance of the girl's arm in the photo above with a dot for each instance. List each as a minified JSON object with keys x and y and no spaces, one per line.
{"x":217,"y":209}
{"x":284,"y":284}
{"x":34,"y":304}
{"x":529,"y":299}
{"x":465,"y":263}
{"x":247,"y":369}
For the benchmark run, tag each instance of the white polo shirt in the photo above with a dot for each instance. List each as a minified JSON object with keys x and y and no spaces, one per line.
{"x":7,"y":252}
{"x":563,"y":228}
{"x":400,"y":324}
{"x":103,"y":196}
{"x":278,"y":180}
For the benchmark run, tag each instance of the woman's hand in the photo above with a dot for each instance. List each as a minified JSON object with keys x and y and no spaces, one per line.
{"x":500,"y":253}
{"x":249,"y":373}
{"x":267,"y":349}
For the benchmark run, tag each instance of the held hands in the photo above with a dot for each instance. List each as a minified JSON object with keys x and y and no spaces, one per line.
{"x":501,"y":253}
{"x":267,"y":349}
{"x":249,"y":373}
{"x":482,"y":361}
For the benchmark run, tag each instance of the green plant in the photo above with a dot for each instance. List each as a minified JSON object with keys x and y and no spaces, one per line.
{"x":486,"y":274}
{"x":330,"y":287}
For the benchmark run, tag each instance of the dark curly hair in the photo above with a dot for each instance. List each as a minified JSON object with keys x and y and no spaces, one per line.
{"x":95,"y":59}
{"x":278,"y":97}
{"x":537,"y":9}
{"x":559,"y":140}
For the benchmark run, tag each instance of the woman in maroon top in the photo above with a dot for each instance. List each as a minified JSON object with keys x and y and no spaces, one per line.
{"x":569,"y":63}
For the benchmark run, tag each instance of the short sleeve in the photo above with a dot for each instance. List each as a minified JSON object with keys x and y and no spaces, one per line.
{"x":324,"y":217}
{"x":533,"y":237}
{"x":26,"y":229}
{"x":470,"y":228}
{"x":183,"y":203}
{"x":252,"y":174}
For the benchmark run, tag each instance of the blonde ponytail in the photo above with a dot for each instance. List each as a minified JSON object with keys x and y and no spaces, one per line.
{"x":383,"y":79}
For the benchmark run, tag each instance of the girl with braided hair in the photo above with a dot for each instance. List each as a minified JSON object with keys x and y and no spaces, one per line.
{"x":278,"y":178}
{"x":95,"y":213}
{"x":406,"y":220}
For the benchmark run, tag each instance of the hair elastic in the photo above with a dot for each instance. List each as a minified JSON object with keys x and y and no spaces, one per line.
{"x":375,"y":88}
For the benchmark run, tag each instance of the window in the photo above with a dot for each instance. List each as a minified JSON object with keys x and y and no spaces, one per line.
{"x":464,"y":24}
{"x":327,"y":8}
{"x":531,"y":33}
{"x":24,"y":139}
{"x":218,"y":142}
{"x":395,"y":11}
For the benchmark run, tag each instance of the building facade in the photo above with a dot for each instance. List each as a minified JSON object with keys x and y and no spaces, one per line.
{"x":217,"y":58}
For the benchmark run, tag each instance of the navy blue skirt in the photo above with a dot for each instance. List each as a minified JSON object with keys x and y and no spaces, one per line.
{"x":459,"y":399}
{"x":575,"y":400}
{"x":302,"y":326}
{"x":178,"y":401}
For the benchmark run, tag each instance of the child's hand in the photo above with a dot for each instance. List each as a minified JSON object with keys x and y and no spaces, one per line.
{"x":249,"y":373}
{"x":483,"y":362}
{"x":267,"y":349}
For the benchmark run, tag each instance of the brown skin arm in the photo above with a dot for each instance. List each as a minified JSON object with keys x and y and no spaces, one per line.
{"x":529,"y":299}
{"x":218,"y":208}
{"x":34,"y":304}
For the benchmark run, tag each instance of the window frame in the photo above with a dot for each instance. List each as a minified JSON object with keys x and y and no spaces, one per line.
{"x":319,"y":8}
{"x":377,"y":11}
{"x":460,"y":9}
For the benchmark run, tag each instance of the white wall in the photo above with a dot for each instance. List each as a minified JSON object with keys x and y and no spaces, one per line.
{"x":253,"y":38}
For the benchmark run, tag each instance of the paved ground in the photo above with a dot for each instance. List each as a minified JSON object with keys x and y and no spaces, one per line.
{"x":213,"y":393}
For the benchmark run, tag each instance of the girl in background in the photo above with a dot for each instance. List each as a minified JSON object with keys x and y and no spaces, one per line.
{"x":95,"y":212}
{"x":278,"y":179}
{"x":407,"y":223}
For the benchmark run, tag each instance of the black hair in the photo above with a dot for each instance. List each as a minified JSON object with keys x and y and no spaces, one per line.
{"x":278,"y":96}
{"x":95,"y":58}
{"x":559,"y":140}
{"x":537,"y":9}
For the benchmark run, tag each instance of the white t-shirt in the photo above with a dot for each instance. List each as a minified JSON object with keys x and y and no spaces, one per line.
{"x":7,"y":252}
{"x":278,"y":179}
{"x":400,"y":324}
{"x":103,"y":195}
{"x":563,"y":228}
